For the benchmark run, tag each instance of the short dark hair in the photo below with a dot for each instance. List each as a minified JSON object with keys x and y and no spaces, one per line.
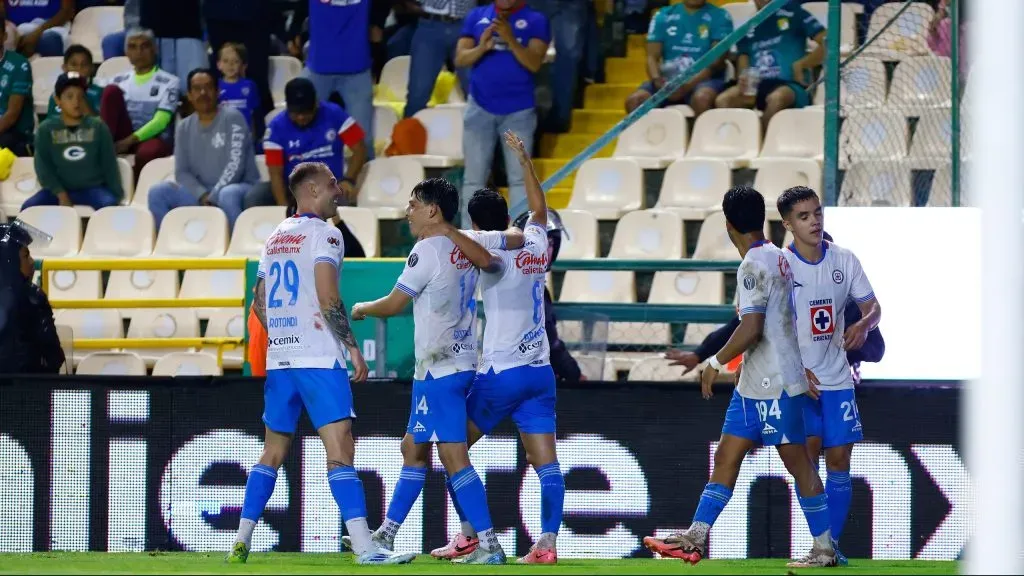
{"x":744,"y":209}
{"x":791,"y":196}
{"x":239,"y":49}
{"x":488,"y":210}
{"x":197,"y":72}
{"x":303,"y":173}
{"x":441,"y":193}
{"x":75,"y":49}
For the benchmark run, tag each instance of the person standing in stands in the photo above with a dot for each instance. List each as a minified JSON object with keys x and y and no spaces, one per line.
{"x":504,"y":44}
{"x":138,"y":106}
{"x":433,"y":43}
{"x":178,"y":28}
{"x":16,"y":113}
{"x":43,"y":25}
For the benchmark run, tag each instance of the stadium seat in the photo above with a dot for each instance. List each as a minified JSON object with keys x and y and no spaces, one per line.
{"x":60,"y":222}
{"x":90,"y":324}
{"x":694,"y":334}
{"x":19,"y":186}
{"x":193,"y":232}
{"x":394,"y":79}
{"x":127,"y":182}
{"x":683,"y":109}
{"x":364,"y":224}
{"x":648,"y":234}
{"x":45,"y":71}
{"x":141,"y":284}
{"x":862,"y":84}
{"x":942,"y":186}
{"x":658,"y":369}
{"x":713,"y":242}
{"x":729,"y":134}
{"x":125,"y":231}
{"x":384,"y":120}
{"x":253,"y":227}
{"x":3,"y":217}
{"x":92,"y":24}
{"x":261,"y":167}
{"x":580,"y":239}
{"x":932,"y":143}
{"x":187,"y":364}
{"x":920,"y":84}
{"x":906,"y":37}
{"x":279,"y":108}
{"x":282,"y":69}
{"x":693,"y":187}
{"x":444,"y":137}
{"x":608,"y":187}
{"x":112,"y":67}
{"x":794,"y":134}
{"x":387,"y":184}
{"x":154,"y":172}
{"x":656,"y":140}
{"x":212,"y":284}
{"x":162,"y":323}
{"x":226,"y":323}
{"x":776,"y":175}
{"x":872,"y":135}
{"x":111,"y":364}
{"x":740,"y":11}
{"x":877,"y":183}
{"x":670,"y":287}
{"x":848,"y":31}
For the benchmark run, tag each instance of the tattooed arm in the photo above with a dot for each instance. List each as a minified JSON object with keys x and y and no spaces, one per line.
{"x":259,"y":302}
{"x":333,"y":310}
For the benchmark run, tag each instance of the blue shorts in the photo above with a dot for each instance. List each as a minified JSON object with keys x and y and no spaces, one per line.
{"x":766,"y":422}
{"x":438,"y":412}
{"x":715,"y":84}
{"x":325,"y":392}
{"x":834,"y":418}
{"x":526,"y":393}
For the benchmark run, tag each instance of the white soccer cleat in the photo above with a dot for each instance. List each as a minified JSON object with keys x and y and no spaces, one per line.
{"x":379,"y":556}
{"x":816,"y":558}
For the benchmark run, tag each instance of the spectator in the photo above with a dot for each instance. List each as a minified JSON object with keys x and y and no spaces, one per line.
{"x":78,"y":59}
{"x":379,"y":12}
{"x":433,"y":43}
{"x":237,"y":91}
{"x":114,"y":43}
{"x":342,"y":27}
{"x":16,"y":114}
{"x":43,"y":25}
{"x":308,"y":131}
{"x":568,"y":21}
{"x":215,"y":164}
{"x":940,"y":34}
{"x":504,"y":44}
{"x":679,"y":35}
{"x":75,"y":160}
{"x":178,"y":28}
{"x":774,"y":66}
{"x":138,"y":106}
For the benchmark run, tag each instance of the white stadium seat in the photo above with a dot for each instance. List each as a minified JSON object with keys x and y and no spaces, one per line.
{"x":693,"y":187}
{"x":776,"y":175}
{"x":656,"y":140}
{"x":920,"y":84}
{"x":125,"y":231}
{"x":127,"y":180}
{"x":154,"y":172}
{"x":162,"y":323}
{"x":906,"y":37}
{"x":608,"y":187}
{"x":45,"y":71}
{"x":281,"y":70}
{"x":91,"y":324}
{"x":444,"y":137}
{"x":729,"y":134}
{"x":872,"y":135}
{"x":794,"y":134}
{"x":363,"y":223}
{"x":384,"y":120}
{"x":394,"y":78}
{"x":112,"y":364}
{"x":686,"y":287}
{"x":848,"y":31}
{"x":111,"y":67}
{"x":932,"y":145}
{"x":387,"y":184}
{"x":193,"y":232}
{"x":187,"y":364}
{"x":212,"y":284}
{"x":92,"y":24}
{"x":60,"y":222}
{"x":877,"y":183}
{"x":713,"y":242}
{"x":580,"y":239}
{"x":252,"y":228}
{"x":18,"y":187}
{"x":226,"y":323}
{"x":862,"y":84}
{"x":657,"y":369}
{"x":278,"y":109}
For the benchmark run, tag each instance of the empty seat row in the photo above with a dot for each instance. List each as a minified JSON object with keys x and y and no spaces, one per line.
{"x":131,"y":364}
{"x":918,"y":84}
{"x":891,"y":183}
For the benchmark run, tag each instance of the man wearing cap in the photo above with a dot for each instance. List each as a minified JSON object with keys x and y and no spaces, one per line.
{"x":214,"y":164}
{"x":75,"y":161}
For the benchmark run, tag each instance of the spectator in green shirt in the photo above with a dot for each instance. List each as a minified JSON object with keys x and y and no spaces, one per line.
{"x":75,"y":160}
{"x":78,"y":59}
{"x":16,"y":121}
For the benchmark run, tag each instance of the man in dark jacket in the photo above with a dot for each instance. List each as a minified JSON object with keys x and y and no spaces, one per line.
{"x":28,"y":337}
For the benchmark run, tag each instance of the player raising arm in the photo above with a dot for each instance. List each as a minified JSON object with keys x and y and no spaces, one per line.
{"x":306,"y":327}
{"x":767,"y":406}
{"x":440,"y":279}
{"x":825,"y":278}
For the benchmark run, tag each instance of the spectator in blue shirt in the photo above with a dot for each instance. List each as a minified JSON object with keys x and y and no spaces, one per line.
{"x":43,"y":25}
{"x":433,"y":43}
{"x":504,"y":44}
{"x":237,"y":91}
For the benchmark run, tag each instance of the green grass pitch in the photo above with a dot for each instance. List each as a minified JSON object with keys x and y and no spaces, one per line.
{"x":282,"y":563}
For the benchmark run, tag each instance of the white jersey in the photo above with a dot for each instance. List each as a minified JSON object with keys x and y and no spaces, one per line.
{"x":514,"y":305}
{"x":821,"y":290}
{"x":143,"y":100}
{"x":442,"y":283}
{"x":765,"y":284}
{"x":297,"y":335}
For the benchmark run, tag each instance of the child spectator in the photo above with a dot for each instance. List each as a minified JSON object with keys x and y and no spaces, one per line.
{"x":236,"y":90}
{"x":78,"y":59}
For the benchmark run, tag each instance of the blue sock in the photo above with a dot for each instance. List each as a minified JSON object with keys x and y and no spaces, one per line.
{"x":712,"y":501}
{"x":347,"y":490}
{"x":455,"y":499}
{"x":552,"y":496}
{"x":840,"y":492}
{"x":816,"y":511}
{"x":472,"y":497}
{"x":258,"y":489}
{"x":410,"y":484}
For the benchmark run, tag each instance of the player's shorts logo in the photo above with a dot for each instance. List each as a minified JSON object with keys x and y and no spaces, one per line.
{"x":822,"y":324}
{"x":837,"y":276}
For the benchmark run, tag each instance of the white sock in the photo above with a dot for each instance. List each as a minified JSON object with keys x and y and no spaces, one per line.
{"x":467,"y":530}
{"x":700,"y":530}
{"x":489,"y":540}
{"x":547,"y":541}
{"x":359,"y":532}
{"x":389,"y":529}
{"x":245,"y":528}
{"x":823,"y":541}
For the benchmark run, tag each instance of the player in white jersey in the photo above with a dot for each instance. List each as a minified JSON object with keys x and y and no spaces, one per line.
{"x":297,"y":299}
{"x":767,"y":406}
{"x":825,"y":278}
{"x":515,"y":378}
{"x":440,"y":279}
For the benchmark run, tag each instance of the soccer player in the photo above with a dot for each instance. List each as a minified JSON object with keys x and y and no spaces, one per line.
{"x":825,"y":277}
{"x":767,"y":406}
{"x":440,"y":279}
{"x":298,"y":301}
{"x":515,"y":377}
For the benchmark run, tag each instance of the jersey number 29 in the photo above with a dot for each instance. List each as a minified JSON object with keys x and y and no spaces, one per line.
{"x":290,"y":274}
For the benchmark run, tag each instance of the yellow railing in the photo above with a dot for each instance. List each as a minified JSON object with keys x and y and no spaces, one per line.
{"x":222,"y":343}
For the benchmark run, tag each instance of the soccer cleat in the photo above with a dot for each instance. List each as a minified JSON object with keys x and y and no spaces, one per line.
{"x":239,"y":554}
{"x":841,"y":559}
{"x":460,"y":545}
{"x":816,"y":558}
{"x":379,"y":556}
{"x":378,"y":540}
{"x":538,"y":555}
{"x":481,"y":556}
{"x":679,"y":545}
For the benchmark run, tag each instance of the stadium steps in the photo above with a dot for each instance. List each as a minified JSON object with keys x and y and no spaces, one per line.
{"x":629,"y":70}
